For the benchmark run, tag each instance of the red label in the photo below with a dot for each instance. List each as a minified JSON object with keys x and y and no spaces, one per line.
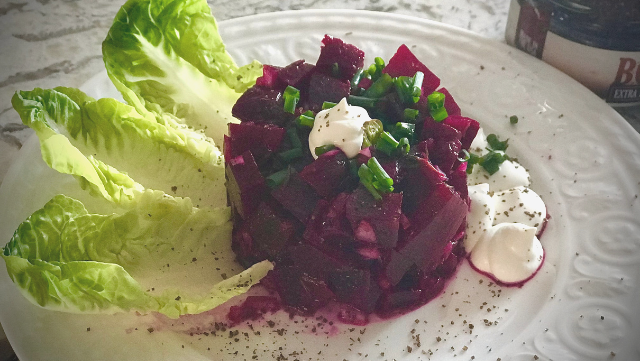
{"x":625,"y":88}
{"x":533,"y":24}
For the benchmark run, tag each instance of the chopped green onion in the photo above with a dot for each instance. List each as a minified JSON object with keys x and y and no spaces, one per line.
{"x":335,"y":70}
{"x":513,"y":119}
{"x":372,"y":130}
{"x":386,"y":143}
{"x":277,"y":178}
{"x":291,"y":97}
{"x":291,"y":154}
{"x":306,"y":119}
{"x":292,"y":133}
{"x":404,"y":146}
{"x":409,"y":88}
{"x":367,"y":178}
{"x":465,"y":156}
{"x":404,"y":130}
{"x":382,"y":187}
{"x":328,"y":105}
{"x":436,"y":106}
{"x":375,"y":70}
{"x":362,"y":101}
{"x":380,"y":87}
{"x":353,"y":167}
{"x":378,"y":172}
{"x":356,"y":79}
{"x":410,"y":115}
{"x":491,"y":161}
{"x":495,"y":143}
{"x":323,"y":149}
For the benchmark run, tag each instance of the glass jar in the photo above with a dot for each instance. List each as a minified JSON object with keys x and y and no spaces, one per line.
{"x":597,"y":42}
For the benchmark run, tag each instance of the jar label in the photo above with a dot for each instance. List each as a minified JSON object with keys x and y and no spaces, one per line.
{"x":531,"y":31}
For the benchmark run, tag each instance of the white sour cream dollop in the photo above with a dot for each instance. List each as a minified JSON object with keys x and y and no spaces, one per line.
{"x":504,"y":218}
{"x":340,"y":126}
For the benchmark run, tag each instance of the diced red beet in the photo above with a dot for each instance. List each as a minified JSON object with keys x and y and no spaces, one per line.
{"x":296,"y":196}
{"x":404,"y":63}
{"x":355,"y":287}
{"x":246,"y":186}
{"x":458,"y":181}
{"x":328,"y":226}
{"x":420,"y":178}
{"x":297,"y":74}
{"x":364,"y":232}
{"x":261,"y":139}
{"x":445,"y":154}
{"x":301,"y":290}
{"x":315,"y":262}
{"x":327,"y":173}
{"x":269,"y":78}
{"x":325,"y":88}
{"x":259,"y":104}
{"x":466,"y":126}
{"x":398,"y":301}
{"x":253,"y":308}
{"x":246,"y":250}
{"x":426,"y":243}
{"x":441,"y":131}
{"x":270,"y":230}
{"x":369,"y":253}
{"x":383,"y":216}
{"x":449,"y":103}
{"x":347,"y":57}
{"x":364,"y":155}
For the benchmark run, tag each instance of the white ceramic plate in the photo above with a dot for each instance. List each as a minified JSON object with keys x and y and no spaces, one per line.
{"x":585,"y":163}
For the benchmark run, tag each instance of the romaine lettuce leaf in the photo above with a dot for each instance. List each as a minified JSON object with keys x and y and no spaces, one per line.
{"x":91,"y":138}
{"x":64,"y":258}
{"x":166,"y":57}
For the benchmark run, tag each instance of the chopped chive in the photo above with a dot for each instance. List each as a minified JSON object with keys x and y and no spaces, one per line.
{"x":306,"y":120}
{"x":291,"y":97}
{"x":409,"y":88}
{"x":404,"y":130}
{"x":496,"y":144}
{"x":277,"y":178}
{"x":323,"y":149}
{"x":353,"y":167}
{"x":328,"y":105}
{"x":289,"y":155}
{"x":380,"y":87}
{"x":386,"y":143}
{"x":367,"y":178}
{"x":292,"y":133}
{"x":382,"y":187}
{"x":513,"y":119}
{"x":436,"y":106}
{"x":356,"y":79}
{"x":362,"y":101}
{"x":410,"y":115}
{"x":378,"y":172}
{"x":466,"y":156}
{"x":335,"y":70}
{"x":404,"y":146}
{"x":372,"y":130}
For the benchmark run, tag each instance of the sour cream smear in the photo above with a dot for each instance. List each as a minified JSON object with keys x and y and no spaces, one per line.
{"x":341,"y":126}
{"x":504,"y":221}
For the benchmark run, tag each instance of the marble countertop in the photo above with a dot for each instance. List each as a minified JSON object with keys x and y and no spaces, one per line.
{"x":48,"y":43}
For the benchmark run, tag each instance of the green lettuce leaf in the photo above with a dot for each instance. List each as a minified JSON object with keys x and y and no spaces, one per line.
{"x":91,"y":138}
{"x":166,"y":57}
{"x":64,"y":258}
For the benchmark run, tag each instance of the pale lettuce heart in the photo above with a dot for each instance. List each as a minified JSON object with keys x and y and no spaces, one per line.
{"x":86,"y":137}
{"x":166,"y":57}
{"x":66,"y":259}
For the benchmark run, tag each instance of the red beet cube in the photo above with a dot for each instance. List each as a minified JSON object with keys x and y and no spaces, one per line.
{"x":246,"y":186}
{"x":347,"y":57}
{"x":404,"y":63}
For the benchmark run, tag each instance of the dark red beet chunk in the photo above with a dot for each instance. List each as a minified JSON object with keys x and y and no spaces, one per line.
{"x":404,"y":63}
{"x":449,"y":103}
{"x":466,"y":126}
{"x":270,"y":231}
{"x":296,"y":196}
{"x":269,"y":78}
{"x":298,"y":289}
{"x":297,"y":74}
{"x":261,"y":139}
{"x":383,"y":217}
{"x":259,"y":104}
{"x":327,"y":173}
{"x":347,"y":57}
{"x":246,"y":186}
{"x":325,"y":88}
